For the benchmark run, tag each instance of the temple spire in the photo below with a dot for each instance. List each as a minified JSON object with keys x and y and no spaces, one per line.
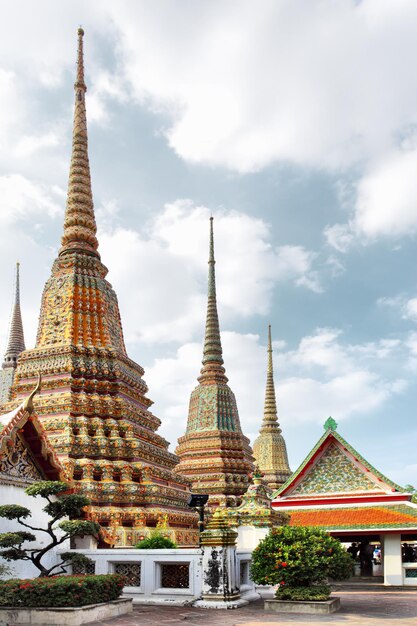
{"x":212,"y":353}
{"x":16,"y":343}
{"x":80,"y":225}
{"x":269,"y":448}
{"x":270,"y":405}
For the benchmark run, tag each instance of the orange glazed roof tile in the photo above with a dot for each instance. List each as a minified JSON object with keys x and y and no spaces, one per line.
{"x":399,"y":516}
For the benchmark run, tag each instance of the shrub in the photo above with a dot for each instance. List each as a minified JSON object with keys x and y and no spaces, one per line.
{"x":156,"y":542}
{"x":317,"y":592}
{"x":299,"y":557}
{"x":61,"y":591}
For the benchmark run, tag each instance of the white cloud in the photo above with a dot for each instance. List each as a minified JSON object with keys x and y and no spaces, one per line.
{"x":295,"y":81}
{"x":322,"y":376}
{"x":21,"y":197}
{"x":167,"y":300}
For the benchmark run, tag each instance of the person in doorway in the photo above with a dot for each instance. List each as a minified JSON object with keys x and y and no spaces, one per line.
{"x":366,"y":552}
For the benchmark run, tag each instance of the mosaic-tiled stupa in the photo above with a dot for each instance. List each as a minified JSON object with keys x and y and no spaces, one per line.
{"x":269,"y":448}
{"x":15,"y":345}
{"x":93,"y":403}
{"x":214,"y":453}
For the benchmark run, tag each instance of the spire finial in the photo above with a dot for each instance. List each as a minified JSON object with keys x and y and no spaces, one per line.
{"x":80,"y":224}
{"x":270,"y":406}
{"x":213,"y":354}
{"x":17,"y":289}
{"x":16,"y":343}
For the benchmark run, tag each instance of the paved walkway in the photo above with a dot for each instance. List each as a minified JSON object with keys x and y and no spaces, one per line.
{"x":358,"y":608}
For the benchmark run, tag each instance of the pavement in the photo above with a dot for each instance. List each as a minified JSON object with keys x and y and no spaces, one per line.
{"x":362,"y":608}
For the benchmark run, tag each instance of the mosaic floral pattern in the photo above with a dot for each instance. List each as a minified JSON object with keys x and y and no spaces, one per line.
{"x":334,"y":472}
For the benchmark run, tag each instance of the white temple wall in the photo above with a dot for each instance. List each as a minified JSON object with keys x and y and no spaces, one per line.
{"x":248,"y":537}
{"x":11,"y":494}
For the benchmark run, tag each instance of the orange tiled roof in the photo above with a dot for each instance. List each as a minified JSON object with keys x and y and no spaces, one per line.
{"x":357,"y":517}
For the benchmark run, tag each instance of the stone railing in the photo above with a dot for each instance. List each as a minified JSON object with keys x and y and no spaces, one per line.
{"x":410,"y":574}
{"x":165,"y":577}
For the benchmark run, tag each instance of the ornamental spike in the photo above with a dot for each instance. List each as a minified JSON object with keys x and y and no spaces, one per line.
{"x":270,"y":405}
{"x":16,"y":343}
{"x":212,"y":353}
{"x":80,"y":224}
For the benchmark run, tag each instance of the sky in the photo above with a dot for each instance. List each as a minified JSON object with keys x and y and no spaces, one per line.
{"x":293,"y":123}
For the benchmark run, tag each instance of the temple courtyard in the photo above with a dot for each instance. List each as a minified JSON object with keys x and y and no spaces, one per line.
{"x":364,"y":608}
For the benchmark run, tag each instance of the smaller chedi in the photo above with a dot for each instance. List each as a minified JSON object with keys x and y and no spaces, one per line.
{"x":214,"y":453}
{"x":269,"y":448}
{"x":15,"y":345}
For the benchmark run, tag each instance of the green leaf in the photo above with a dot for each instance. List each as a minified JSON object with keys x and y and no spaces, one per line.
{"x":13,"y":511}
{"x":46,"y":488}
{"x":15,"y":539}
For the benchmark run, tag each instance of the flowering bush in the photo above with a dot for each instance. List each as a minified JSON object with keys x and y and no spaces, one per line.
{"x":59,"y":591}
{"x":300,"y":557}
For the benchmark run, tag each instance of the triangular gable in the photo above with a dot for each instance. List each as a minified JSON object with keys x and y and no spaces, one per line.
{"x":25,"y":453}
{"x":335,"y":467}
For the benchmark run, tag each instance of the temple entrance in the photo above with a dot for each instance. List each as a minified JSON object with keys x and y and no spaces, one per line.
{"x":367,"y":553}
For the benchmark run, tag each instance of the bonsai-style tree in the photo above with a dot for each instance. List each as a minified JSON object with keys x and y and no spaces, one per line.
{"x":60,"y":505}
{"x":300,"y":560}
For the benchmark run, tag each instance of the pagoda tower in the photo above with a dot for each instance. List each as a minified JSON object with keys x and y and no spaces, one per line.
{"x":93,"y":403}
{"x":15,"y":345}
{"x":214,"y":453}
{"x":269,"y":449}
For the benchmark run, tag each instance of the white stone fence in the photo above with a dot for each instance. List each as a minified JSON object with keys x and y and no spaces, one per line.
{"x":165,"y":577}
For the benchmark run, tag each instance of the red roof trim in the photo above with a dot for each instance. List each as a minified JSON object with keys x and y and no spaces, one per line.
{"x":325,"y":500}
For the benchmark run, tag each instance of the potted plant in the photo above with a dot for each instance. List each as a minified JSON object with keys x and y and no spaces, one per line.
{"x":300,"y":561}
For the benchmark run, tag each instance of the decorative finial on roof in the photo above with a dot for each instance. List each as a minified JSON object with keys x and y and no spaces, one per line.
{"x":213,"y":354}
{"x":270,"y":405}
{"x":80,"y":224}
{"x":28,"y":403}
{"x":330,"y":424}
{"x":16,"y":343}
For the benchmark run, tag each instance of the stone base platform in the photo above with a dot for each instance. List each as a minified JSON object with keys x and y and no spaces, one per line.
{"x":66,"y":616}
{"x":323,"y":607}
{"x":219,"y":604}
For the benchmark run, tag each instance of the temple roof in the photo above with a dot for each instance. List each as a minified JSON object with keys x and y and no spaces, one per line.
{"x":21,"y":429}
{"x":16,"y":343}
{"x":358,"y":518}
{"x":334,"y":467}
{"x":337,"y":489}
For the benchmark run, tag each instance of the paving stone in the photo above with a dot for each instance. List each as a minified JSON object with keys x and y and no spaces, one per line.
{"x":359,"y":608}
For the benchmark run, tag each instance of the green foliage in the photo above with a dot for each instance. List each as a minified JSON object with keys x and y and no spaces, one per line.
{"x":79,"y":527}
{"x":13,"y":554}
{"x":62,"y":506}
{"x":156,"y":542}
{"x":75,"y":558}
{"x":298,"y":594}
{"x":295,"y":556}
{"x":12,"y":539}
{"x":61,"y":591}
{"x":14,"y":511}
{"x":70,"y":505}
{"x":46,"y":488}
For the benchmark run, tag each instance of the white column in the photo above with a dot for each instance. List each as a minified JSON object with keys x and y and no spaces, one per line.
{"x":393,"y":567}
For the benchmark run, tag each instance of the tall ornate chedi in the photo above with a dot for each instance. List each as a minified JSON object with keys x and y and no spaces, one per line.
{"x":15,"y":345}
{"x":93,"y":403}
{"x":214,"y":453}
{"x":269,"y":449}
